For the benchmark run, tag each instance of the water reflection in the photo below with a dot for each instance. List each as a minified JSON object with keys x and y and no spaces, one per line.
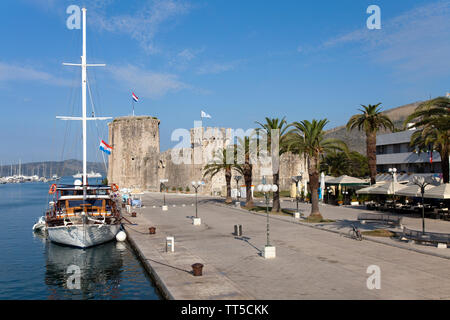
{"x":100,"y":271}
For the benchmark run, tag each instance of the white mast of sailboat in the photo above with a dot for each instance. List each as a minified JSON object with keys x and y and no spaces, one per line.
{"x":84,"y":66}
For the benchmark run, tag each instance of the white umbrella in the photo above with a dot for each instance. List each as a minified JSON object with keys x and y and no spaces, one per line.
{"x":413,"y":190}
{"x":322,"y":184}
{"x":439,"y":192}
{"x":367,"y":190}
{"x":388,"y":188}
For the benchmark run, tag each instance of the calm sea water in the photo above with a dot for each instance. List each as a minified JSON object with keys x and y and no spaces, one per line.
{"x":31,"y":267}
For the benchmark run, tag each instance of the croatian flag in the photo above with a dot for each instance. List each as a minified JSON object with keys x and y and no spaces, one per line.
{"x":105,"y":147}
{"x":135,"y":98}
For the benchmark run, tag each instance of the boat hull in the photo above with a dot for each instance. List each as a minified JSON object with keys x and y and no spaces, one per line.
{"x":83,"y":236}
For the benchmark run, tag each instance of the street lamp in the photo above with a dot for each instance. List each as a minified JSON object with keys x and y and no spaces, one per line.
{"x":237,"y":178}
{"x":345,"y":193}
{"x":420,"y":181}
{"x":196,"y":185}
{"x":393,"y":172}
{"x":296,"y":179}
{"x":328,"y":195}
{"x":269,"y":251}
{"x":162,"y":186}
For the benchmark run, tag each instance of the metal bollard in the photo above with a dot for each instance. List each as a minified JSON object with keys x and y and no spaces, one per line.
{"x":197,"y":269}
{"x":238,"y":230}
{"x":170,"y":244}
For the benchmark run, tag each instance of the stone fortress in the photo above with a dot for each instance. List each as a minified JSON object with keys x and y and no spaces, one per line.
{"x":137,"y":163}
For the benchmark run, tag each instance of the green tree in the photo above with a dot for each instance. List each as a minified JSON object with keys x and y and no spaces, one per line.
{"x":220,"y":164}
{"x":432,"y":118}
{"x":335,"y":164}
{"x":280,"y":126}
{"x":339,"y":163}
{"x":371,"y":120}
{"x":307,"y":138}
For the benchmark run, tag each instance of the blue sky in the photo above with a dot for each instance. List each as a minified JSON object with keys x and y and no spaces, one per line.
{"x":239,"y":61}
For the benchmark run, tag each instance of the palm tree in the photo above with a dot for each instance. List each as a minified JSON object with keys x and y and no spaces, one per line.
{"x":432,"y":118}
{"x":220,"y":164}
{"x":246,"y":169}
{"x":307,"y":138}
{"x":335,"y":164}
{"x":280,"y":125}
{"x":371,"y":120}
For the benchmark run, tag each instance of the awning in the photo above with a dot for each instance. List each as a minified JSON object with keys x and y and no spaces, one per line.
{"x":388,"y":188}
{"x":439,"y":192}
{"x":413,"y":190}
{"x":345,"y":180}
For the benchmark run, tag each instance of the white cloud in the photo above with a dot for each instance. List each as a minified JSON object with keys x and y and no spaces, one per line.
{"x":10,"y":72}
{"x":415,"y":41}
{"x":143,"y":25}
{"x":216,"y":68}
{"x":146,"y":83}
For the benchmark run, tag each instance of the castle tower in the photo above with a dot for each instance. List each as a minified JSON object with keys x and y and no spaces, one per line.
{"x":133,"y":162}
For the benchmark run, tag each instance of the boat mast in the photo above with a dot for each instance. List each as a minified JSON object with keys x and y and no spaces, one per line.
{"x":83,"y":79}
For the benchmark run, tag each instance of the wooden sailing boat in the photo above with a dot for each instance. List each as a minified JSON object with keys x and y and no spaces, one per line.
{"x":83,"y":215}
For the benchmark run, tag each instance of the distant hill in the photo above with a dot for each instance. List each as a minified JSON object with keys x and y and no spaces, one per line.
{"x":48,"y":168}
{"x":356,"y":140}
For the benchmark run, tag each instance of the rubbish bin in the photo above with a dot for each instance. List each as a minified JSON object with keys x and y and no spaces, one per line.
{"x":152,"y":230}
{"x":197,"y":269}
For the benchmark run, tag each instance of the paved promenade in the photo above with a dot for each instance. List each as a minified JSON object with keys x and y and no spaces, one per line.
{"x":310,"y":263}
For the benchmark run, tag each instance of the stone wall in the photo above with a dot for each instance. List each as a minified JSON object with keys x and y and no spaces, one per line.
{"x":134,"y":159}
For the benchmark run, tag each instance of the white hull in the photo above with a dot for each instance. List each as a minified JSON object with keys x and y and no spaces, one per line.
{"x":83,"y":236}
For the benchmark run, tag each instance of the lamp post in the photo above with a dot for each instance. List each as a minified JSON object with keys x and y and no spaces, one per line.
{"x":296,"y":179}
{"x":328,"y":195}
{"x":196,"y":185}
{"x":345,"y":195}
{"x":393,"y":172}
{"x":162,"y":186}
{"x":237,"y":178}
{"x":420,"y":181}
{"x":269,"y":251}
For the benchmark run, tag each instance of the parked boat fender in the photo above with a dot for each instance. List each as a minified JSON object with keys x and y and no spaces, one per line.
{"x":121,"y":236}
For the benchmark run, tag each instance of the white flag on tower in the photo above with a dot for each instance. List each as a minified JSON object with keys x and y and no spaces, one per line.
{"x":203,"y":114}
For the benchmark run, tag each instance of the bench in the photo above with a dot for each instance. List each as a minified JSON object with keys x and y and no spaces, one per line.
{"x":386,"y":218}
{"x":430,"y":237}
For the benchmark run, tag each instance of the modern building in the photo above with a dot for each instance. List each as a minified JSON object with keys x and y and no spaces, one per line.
{"x":394,"y":151}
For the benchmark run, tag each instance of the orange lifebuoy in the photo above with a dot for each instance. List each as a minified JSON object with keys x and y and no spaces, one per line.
{"x":114,"y":187}
{"x":52,"y":189}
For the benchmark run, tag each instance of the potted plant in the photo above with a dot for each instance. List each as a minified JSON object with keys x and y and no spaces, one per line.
{"x":340,"y":199}
{"x":188,"y":190}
